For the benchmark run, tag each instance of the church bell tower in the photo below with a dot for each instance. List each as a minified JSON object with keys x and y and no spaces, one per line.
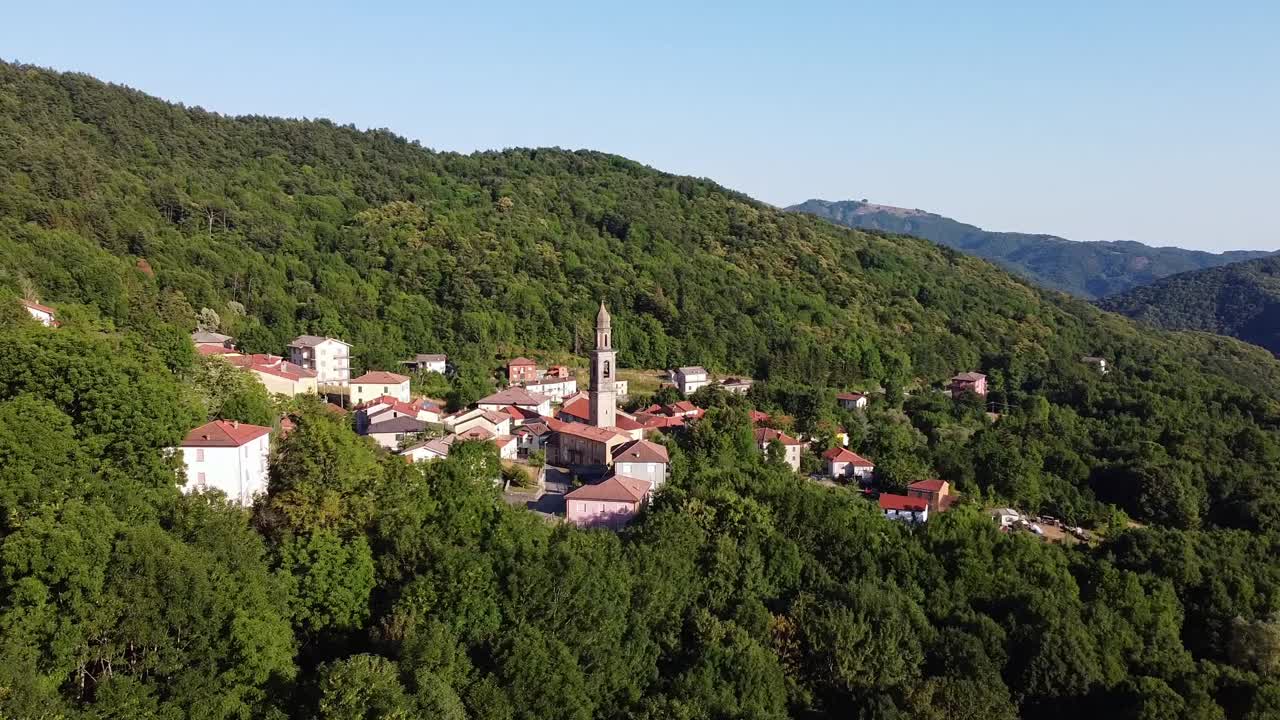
{"x":604,"y":396}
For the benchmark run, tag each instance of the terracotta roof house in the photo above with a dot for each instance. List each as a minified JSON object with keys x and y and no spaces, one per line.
{"x":973,"y":382}
{"x":792,"y":446}
{"x":582,"y":446}
{"x":936,"y":493}
{"x":43,"y":314}
{"x":278,"y":375}
{"x":229,"y":456}
{"x":610,"y":504}
{"x":844,"y":463}
{"x":576,"y":410}
{"x":377,"y":383}
{"x":629,"y":425}
{"x":643,"y":460}
{"x":521,"y":369}
{"x":683,"y":408}
{"x":518,"y":396}
{"x":851,"y":400}
{"x":902,"y":507}
{"x":758,"y":417}
{"x":496,"y":422}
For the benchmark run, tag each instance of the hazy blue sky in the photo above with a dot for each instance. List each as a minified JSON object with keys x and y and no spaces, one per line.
{"x":1149,"y":121}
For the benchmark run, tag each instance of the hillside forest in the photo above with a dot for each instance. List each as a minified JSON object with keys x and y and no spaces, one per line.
{"x":365,"y":587}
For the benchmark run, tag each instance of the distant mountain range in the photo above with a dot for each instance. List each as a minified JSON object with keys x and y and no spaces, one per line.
{"x":1086,"y":269}
{"x":1241,"y":300}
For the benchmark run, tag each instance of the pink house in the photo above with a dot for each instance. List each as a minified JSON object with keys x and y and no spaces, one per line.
{"x":610,"y":504}
{"x":974,"y":382}
{"x":844,"y":463}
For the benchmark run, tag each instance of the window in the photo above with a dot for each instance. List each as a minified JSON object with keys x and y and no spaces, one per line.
{"x":199,"y":454}
{"x":200,"y":480}
{"x":384,"y":389}
{"x":626,"y":468}
{"x":606,"y":369}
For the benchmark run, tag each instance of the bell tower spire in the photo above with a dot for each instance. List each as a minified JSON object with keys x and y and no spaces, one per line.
{"x":604,"y":384}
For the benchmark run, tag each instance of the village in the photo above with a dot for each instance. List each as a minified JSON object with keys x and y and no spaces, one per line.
{"x":585,"y":460}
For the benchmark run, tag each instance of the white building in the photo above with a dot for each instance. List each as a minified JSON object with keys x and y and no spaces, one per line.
{"x":328,"y":357}
{"x":434,"y":449}
{"x":791,"y":445}
{"x":42,"y":313}
{"x":620,"y":388}
{"x":852,"y":400}
{"x":844,"y":463}
{"x":689,"y":379}
{"x":378,"y":383}
{"x":228,"y":456}
{"x":427,"y":363}
{"x":901,"y":507}
{"x":556,"y":388}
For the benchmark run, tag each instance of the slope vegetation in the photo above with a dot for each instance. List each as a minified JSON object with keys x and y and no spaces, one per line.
{"x":1084,"y":269}
{"x":1241,"y":300}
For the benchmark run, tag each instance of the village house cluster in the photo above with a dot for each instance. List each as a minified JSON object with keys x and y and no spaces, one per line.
{"x":540,"y":412}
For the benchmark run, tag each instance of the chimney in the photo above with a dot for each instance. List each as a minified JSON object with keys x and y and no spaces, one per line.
{"x":235,"y":423}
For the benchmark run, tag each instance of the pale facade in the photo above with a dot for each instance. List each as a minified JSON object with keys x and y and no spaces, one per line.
{"x":603,"y":398}
{"x":376,"y":384}
{"x":41,"y":313}
{"x":227,"y":456}
{"x":328,"y":357}
{"x":689,"y":379}
{"x":555,"y":388}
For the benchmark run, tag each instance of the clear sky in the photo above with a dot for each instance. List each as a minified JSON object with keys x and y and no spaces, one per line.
{"x":1149,"y":121}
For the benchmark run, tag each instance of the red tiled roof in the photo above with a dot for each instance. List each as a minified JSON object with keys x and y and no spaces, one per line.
{"x":521,"y":361}
{"x":513,"y":396}
{"x":768,"y":435}
{"x":578,"y":407}
{"x":224,"y":433}
{"x":519,"y":413}
{"x":759,"y":417}
{"x":626,"y":422}
{"x":853,"y":396}
{"x":901,"y":502}
{"x":659,"y":421}
{"x":839,"y":454}
{"x":375,"y":377}
{"x":615,"y":489}
{"x":272,"y":365}
{"x":37,"y":306}
{"x":335,"y":409}
{"x":932,"y":486}
{"x":587,"y":432}
{"x":476,"y":433}
{"x":640,"y":451}
{"x":968,"y":377}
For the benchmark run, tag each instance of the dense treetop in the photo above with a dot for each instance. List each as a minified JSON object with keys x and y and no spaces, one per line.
{"x":1084,"y":269}
{"x":1241,"y":300}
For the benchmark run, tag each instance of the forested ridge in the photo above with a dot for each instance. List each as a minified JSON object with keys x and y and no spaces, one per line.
{"x":1241,"y":300}
{"x":1095,"y":269}
{"x":363,"y":587}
